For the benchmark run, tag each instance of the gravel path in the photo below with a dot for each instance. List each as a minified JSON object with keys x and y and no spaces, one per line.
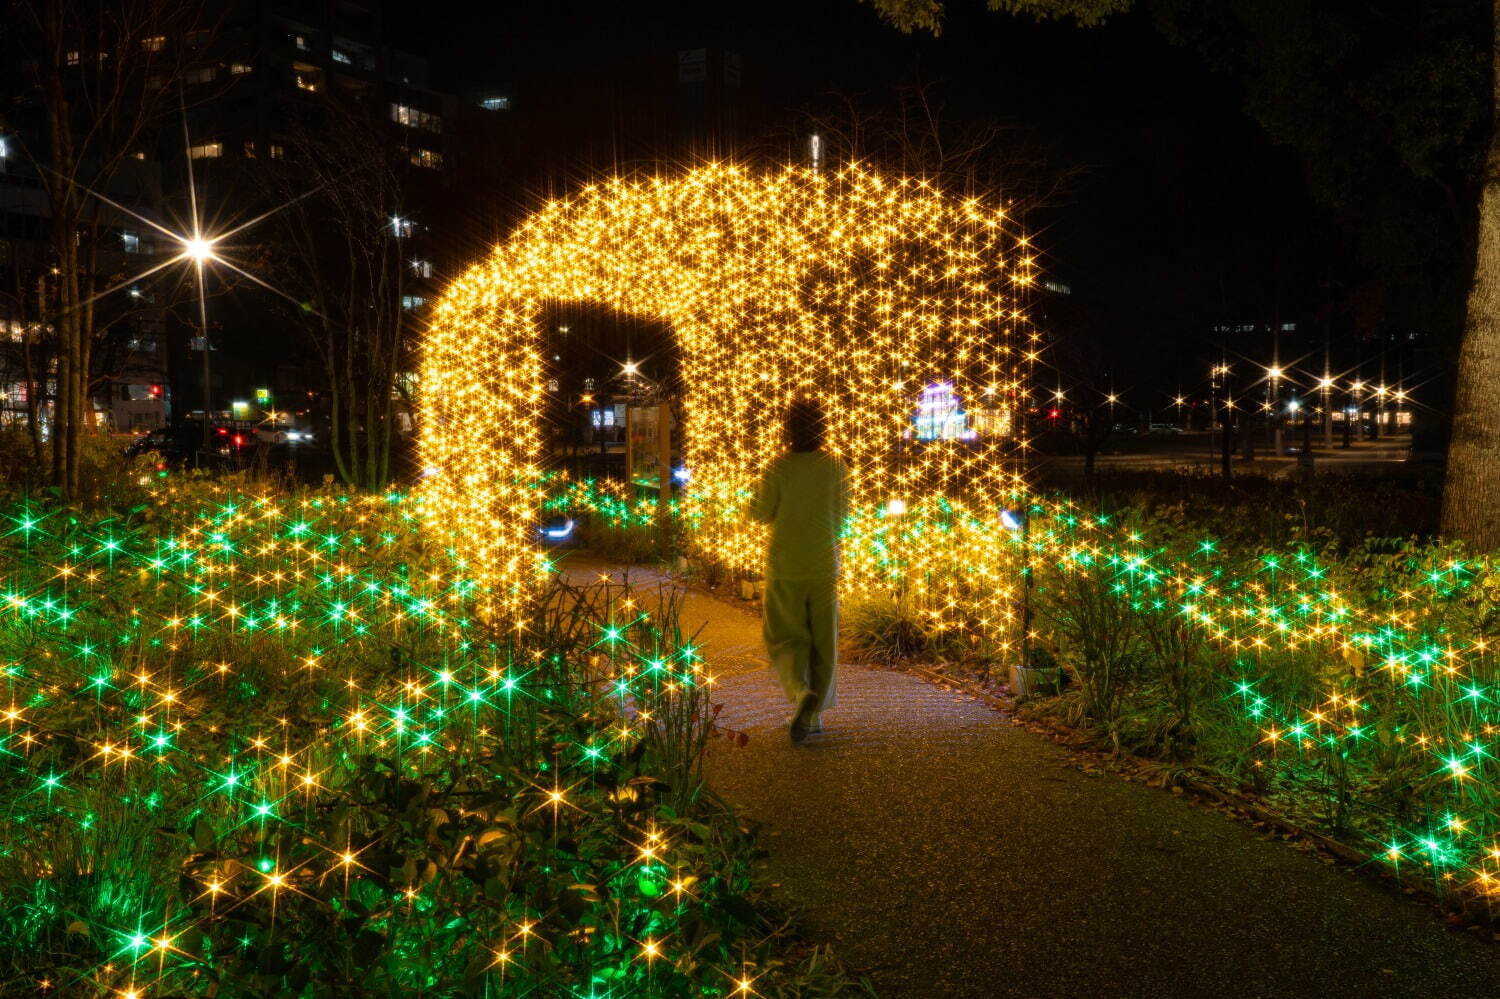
{"x":946,"y":852}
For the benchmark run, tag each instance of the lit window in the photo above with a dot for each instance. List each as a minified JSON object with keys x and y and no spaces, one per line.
{"x":411,"y":302}
{"x":4,"y":147}
{"x":205,"y":74}
{"x":130,"y":242}
{"x":301,"y":42}
{"x":241,"y":68}
{"x":339,"y":55}
{"x":72,"y":57}
{"x":495,"y":103}
{"x":427,"y":158}
{"x":139,"y":154}
{"x":411,"y":117}
{"x":401,"y":227}
{"x":249,"y":149}
{"x":206,"y":151}
{"x":421,"y":268}
{"x":155,"y":43}
{"x":277,"y":151}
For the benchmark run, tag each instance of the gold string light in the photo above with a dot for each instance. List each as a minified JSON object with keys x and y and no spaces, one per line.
{"x":853,"y":287}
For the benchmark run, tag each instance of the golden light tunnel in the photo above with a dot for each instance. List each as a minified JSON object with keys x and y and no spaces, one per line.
{"x":897,"y":305}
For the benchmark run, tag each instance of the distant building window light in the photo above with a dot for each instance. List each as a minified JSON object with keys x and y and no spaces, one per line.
{"x":1058,"y":287}
{"x":401,"y":227}
{"x":139,"y":154}
{"x":130,"y":242}
{"x":339,"y":55}
{"x":203,"y":74}
{"x":412,"y":302}
{"x":196,"y":343}
{"x":155,"y":43}
{"x":427,"y":158}
{"x":301,"y":42}
{"x":72,"y":57}
{"x":1288,"y":327}
{"x":277,"y":151}
{"x":421,"y":268}
{"x":241,"y":68}
{"x":249,"y":149}
{"x":4,"y":147}
{"x":411,"y":117}
{"x":206,"y":151}
{"x":495,"y":103}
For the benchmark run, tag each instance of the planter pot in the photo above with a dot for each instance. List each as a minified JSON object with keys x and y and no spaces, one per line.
{"x":1034,"y":681}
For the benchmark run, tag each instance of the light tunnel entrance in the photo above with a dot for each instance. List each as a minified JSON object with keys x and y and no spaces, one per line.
{"x":875,"y":295}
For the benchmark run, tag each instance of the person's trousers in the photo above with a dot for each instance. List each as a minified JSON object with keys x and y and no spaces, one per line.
{"x":802,"y":636}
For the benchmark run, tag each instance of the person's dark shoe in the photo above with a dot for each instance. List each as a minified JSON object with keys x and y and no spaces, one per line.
{"x":807,"y":706}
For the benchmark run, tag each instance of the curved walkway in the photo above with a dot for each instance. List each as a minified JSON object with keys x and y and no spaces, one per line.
{"x":946,"y":852}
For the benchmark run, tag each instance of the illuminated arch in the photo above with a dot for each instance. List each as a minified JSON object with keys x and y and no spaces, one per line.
{"x":856,"y":287}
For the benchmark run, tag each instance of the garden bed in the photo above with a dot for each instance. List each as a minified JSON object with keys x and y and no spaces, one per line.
{"x":262,"y":743}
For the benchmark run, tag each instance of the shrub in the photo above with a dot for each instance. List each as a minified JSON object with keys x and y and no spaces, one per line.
{"x":268,"y":749}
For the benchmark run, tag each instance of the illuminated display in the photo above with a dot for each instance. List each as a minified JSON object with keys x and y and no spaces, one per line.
{"x":848,"y":285}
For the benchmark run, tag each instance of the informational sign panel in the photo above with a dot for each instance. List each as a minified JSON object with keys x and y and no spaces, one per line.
{"x":643,"y":446}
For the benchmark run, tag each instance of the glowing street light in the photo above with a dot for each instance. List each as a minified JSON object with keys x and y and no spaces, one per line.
{"x":198,"y":249}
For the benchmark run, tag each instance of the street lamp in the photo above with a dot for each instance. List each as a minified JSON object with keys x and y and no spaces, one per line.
{"x":1273,"y":396}
{"x":1326,"y":384}
{"x":201,"y":251}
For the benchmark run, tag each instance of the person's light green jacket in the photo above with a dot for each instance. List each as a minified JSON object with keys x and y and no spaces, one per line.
{"x":804,"y":496}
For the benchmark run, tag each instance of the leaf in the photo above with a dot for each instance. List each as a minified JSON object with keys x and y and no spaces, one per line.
{"x":78,"y":926}
{"x":203,"y":834}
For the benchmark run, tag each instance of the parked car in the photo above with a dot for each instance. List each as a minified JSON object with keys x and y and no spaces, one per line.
{"x":282,"y":433}
{"x":1165,"y":428}
{"x":174,"y":444}
{"x":182,"y":443}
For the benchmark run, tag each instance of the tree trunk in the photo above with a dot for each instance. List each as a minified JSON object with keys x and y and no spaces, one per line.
{"x":1471,"y":492}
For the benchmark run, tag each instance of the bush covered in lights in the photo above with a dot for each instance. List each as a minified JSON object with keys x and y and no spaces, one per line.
{"x":260,"y":745}
{"x":1357,"y":687}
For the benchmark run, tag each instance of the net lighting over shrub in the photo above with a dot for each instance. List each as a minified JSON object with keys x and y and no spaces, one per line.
{"x":262,"y":744}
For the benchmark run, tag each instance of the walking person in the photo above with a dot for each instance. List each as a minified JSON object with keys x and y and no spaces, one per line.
{"x":804,"y":496}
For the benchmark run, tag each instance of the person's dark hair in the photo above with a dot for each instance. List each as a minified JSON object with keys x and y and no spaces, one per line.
{"x":805,"y":425}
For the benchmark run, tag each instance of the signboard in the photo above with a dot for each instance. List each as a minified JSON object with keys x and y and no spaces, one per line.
{"x":643,"y":445}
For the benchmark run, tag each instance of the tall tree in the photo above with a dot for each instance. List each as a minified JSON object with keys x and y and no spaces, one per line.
{"x":100,"y":72}
{"x":1395,"y":110}
{"x":1471,"y":494}
{"x":342,"y":254}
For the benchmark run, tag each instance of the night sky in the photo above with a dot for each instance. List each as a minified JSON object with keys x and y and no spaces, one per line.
{"x":1183,"y":213}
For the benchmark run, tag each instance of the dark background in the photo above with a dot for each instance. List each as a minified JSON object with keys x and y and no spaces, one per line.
{"x":1181,"y":213}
